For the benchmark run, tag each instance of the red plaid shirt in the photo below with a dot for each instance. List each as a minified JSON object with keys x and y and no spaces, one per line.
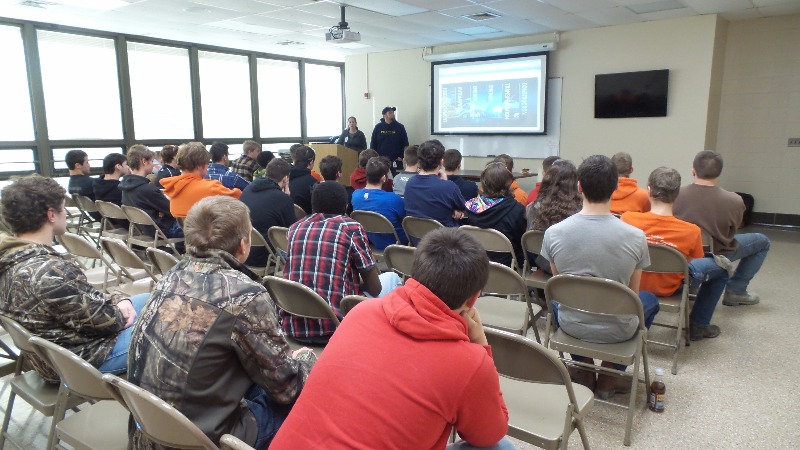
{"x":326,"y":253}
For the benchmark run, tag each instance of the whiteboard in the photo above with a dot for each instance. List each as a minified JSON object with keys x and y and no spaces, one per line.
{"x":531,"y":146}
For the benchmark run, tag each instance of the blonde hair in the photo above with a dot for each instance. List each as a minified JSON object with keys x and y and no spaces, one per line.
{"x":216,"y":223}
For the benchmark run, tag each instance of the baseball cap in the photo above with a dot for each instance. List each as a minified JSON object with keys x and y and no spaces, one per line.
{"x":387,"y":109}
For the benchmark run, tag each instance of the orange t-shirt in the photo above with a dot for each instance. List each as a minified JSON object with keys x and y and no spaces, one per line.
{"x":519,"y":194}
{"x":672,"y":232}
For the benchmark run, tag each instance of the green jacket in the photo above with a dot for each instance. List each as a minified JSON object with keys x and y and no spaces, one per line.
{"x":50,"y":296}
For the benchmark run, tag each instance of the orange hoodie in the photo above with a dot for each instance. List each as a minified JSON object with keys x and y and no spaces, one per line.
{"x":519,"y":194}
{"x":629,"y":197}
{"x":187,"y":189}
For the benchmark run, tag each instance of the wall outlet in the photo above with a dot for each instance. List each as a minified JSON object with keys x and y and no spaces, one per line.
{"x":794,"y":142}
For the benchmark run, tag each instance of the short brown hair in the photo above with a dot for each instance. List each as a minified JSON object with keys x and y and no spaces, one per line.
{"x":168,"y":153}
{"x":496,"y":181}
{"x":451,"y":264}
{"x":138,"y":154}
{"x":452,"y":159}
{"x":410,"y":157}
{"x":376,"y":168}
{"x":665,"y":184}
{"x":430,"y":154}
{"x":304,"y":155}
{"x":624,"y":163}
{"x":26,"y":202}
{"x":278,"y":169}
{"x":548,"y":163}
{"x":507,"y":160}
{"x":216,"y":223}
{"x":365,"y":156}
{"x":192,"y":155}
{"x":707,"y":165}
{"x":329,"y":167}
{"x":249,"y":146}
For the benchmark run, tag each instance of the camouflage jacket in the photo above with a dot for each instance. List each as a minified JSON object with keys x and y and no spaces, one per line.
{"x":50,"y":296}
{"x":207,"y":334}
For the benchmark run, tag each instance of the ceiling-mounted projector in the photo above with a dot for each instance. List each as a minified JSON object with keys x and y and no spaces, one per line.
{"x":341,"y":32}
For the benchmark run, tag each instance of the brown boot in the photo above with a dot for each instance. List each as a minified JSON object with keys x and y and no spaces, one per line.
{"x":608,"y":385}
{"x":583,"y":377}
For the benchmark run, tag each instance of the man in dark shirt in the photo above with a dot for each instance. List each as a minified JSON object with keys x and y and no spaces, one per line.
{"x":428,"y":194}
{"x":139,"y":192}
{"x":301,"y":182}
{"x":115,"y":166}
{"x":168,"y":168}
{"x":79,"y":180}
{"x":389,"y":138}
{"x":452,"y":164}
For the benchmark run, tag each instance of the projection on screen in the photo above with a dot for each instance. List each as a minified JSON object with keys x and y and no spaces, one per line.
{"x":490,"y":96}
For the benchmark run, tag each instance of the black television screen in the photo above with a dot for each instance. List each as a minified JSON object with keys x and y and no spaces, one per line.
{"x":503,"y":95}
{"x":631,"y":94}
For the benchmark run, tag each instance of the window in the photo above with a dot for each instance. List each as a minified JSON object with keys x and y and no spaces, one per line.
{"x":323,"y":100}
{"x":225,"y":94}
{"x":15,"y":114}
{"x":161,"y":91}
{"x":278,"y":98}
{"x":17,"y":160}
{"x":96,"y":156}
{"x":81,"y":91}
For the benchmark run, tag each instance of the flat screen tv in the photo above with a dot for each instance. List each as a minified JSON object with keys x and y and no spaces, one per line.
{"x":631,"y":94}
{"x":499,"y":95}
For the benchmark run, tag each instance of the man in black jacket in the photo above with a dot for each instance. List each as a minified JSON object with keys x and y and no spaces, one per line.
{"x":301,"y":182}
{"x":270,"y":205}
{"x":139,"y":192}
{"x":115,"y":166}
{"x":389,"y":139}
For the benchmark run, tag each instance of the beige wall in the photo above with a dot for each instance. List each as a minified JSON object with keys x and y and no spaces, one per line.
{"x":760,"y":110}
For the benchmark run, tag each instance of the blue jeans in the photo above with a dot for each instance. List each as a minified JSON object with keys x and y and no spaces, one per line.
{"x":389,"y":282}
{"x":502,"y":444}
{"x":117,"y":360}
{"x":752,"y":251}
{"x":712,"y":280}
{"x":269,"y":415}
{"x":175,"y":231}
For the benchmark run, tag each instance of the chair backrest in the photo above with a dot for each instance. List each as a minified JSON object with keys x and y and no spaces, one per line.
{"x":19,"y":334}
{"x":80,"y":376}
{"x":349,"y":302}
{"x":124,"y":257}
{"x":110,"y":210}
{"x":138,"y":216}
{"x":375,"y":223}
{"x":708,"y":241}
{"x":78,"y":246}
{"x":523,"y":359}
{"x":299,"y":212}
{"x":418,"y":227}
{"x":159,"y":421}
{"x":279,"y":237}
{"x":298,"y":299}
{"x":596,"y":295}
{"x":531,"y":244}
{"x":400,"y":259}
{"x":84,"y":203}
{"x":664,"y":259}
{"x":230,"y":442}
{"x":504,"y":280}
{"x":162,"y":261}
{"x":492,"y":240}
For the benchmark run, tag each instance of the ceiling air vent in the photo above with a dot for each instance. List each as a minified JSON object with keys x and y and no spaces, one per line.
{"x":477,"y":17}
{"x":37,"y":3}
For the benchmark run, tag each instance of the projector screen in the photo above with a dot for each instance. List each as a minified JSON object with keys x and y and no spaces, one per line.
{"x":504,"y":95}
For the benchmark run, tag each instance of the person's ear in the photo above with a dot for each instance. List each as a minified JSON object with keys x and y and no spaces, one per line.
{"x":580,"y":189}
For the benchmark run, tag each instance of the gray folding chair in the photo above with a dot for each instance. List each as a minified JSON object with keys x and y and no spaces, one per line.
{"x":499,"y":310}
{"x":544,"y":406}
{"x":349,"y":302}
{"x":88,"y":225}
{"x":417,"y":227}
{"x":139,"y":218}
{"x":230,"y":442}
{"x":299,"y":212}
{"x":299,"y":300}
{"x":30,"y":386}
{"x":534,"y":277}
{"x":667,"y":260}
{"x":378,"y":224}
{"x":156,"y":419}
{"x":605,"y":297}
{"x":257,"y":240}
{"x":110,"y":212}
{"x":493,"y":241}
{"x":400,"y":259}
{"x":707,"y":240}
{"x":81,"y":379}
{"x":100,"y":277}
{"x":128,"y":262}
{"x":279,"y":238}
{"x":161,"y":260}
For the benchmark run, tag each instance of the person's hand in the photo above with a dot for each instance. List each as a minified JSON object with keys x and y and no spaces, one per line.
{"x":474,"y":326}
{"x":458,"y":215}
{"x":286,"y":189}
{"x":128,"y":313}
{"x":442,"y":175}
{"x":300,"y":351}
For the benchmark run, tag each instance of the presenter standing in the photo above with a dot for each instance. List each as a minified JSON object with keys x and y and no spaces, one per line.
{"x":389,"y":139}
{"x":352,"y":137}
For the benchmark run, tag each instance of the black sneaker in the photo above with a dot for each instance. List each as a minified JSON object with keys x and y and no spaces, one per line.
{"x":697,"y":332}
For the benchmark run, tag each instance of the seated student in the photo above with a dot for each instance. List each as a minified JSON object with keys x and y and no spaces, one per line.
{"x":137,"y":191}
{"x":331,"y":168}
{"x":403,"y":370}
{"x":496,"y":208}
{"x":218,"y":169}
{"x":661,"y":227}
{"x":270,"y":205}
{"x":47,"y":293}
{"x":168,"y":169}
{"x":719,"y":212}
{"x":519,"y":194}
{"x":452,"y":164}
{"x":388,"y":204}
{"x":263,"y":159}
{"x":546,"y":164}
{"x":293,"y":153}
{"x":115,"y":165}
{"x":430,"y":196}
{"x":301,"y":182}
{"x":628,"y":196}
{"x":209,"y":342}
{"x":247,"y":164}
{"x":595,"y":243}
{"x":190,"y":187}
{"x":358,"y":179}
{"x":79,"y":169}
{"x":328,"y":252}
{"x":411,"y":162}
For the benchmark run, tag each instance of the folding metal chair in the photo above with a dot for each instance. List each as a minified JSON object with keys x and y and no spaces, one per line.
{"x":667,"y":260}
{"x":279,"y":238}
{"x":257,"y":240}
{"x":400,"y":259}
{"x":136,"y":236}
{"x":299,"y":300}
{"x":161,"y":260}
{"x":128,"y":261}
{"x":417,"y":227}
{"x":100,"y":277}
{"x":230,"y":442}
{"x":349,"y":302}
{"x":111,"y":212}
{"x":89,"y":221}
{"x":534,"y":276}
{"x":493,"y":241}
{"x":299,"y":212}
{"x":503,"y":312}
{"x":378,"y":224}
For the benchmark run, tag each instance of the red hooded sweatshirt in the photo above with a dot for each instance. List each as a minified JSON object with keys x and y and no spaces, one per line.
{"x":397,"y":374}
{"x":629,"y":197}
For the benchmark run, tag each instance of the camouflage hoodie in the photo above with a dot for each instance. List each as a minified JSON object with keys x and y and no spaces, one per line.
{"x":207,"y":334}
{"x":50,"y":296}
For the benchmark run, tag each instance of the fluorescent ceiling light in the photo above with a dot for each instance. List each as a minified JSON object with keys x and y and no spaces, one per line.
{"x":98,"y":5}
{"x":474,"y":31}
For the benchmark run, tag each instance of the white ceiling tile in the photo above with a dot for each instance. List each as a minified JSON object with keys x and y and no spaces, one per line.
{"x":332,"y":10}
{"x":389,"y":7}
{"x":296,"y":15}
{"x":517,"y":26}
{"x":401,"y":26}
{"x":439,"y":4}
{"x":450,"y":36}
{"x":565,"y":23}
{"x":717,"y":6}
{"x":527,"y":9}
{"x":248,"y":28}
{"x":465,"y":10}
{"x":610,"y":16}
{"x":243,"y":6}
{"x":671,"y":14}
{"x":575,"y":6}
{"x":781,"y":9}
{"x":439,"y":21}
{"x":759,"y":3}
{"x":752,"y":13}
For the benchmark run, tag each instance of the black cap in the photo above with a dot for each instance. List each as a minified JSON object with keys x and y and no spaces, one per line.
{"x":387,"y":109}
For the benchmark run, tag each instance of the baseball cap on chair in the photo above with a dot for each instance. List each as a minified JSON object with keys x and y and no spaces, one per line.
{"x":387,"y":109}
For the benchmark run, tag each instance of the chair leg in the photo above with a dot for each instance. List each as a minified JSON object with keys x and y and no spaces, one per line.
{"x":7,"y":419}
{"x":582,"y":433}
{"x":58,"y":414}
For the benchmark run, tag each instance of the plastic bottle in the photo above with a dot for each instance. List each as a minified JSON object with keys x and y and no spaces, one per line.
{"x":655,"y":401}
